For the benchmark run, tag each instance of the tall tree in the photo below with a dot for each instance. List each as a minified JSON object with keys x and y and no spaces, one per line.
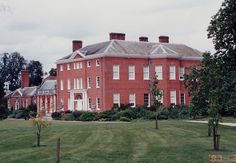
{"x":10,"y":67}
{"x":36,"y":72}
{"x":222,"y":30}
{"x":53,"y":72}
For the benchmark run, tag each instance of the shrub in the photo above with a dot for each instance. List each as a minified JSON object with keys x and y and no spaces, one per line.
{"x":106,"y":115}
{"x":128,"y":113}
{"x":125,"y":119}
{"x":4,"y":112}
{"x":56,"y":115}
{"x":77,"y":114}
{"x":123,"y":107}
{"x":19,"y":114}
{"x":164,"y":114}
{"x":87,"y":116}
{"x":68,"y":117}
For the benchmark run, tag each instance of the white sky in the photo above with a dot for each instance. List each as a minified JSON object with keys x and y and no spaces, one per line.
{"x":44,"y":29}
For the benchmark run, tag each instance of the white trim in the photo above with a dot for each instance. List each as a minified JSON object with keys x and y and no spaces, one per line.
{"x":122,"y":55}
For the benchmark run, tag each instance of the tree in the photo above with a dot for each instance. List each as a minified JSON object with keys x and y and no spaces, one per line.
{"x":10,"y":68}
{"x":53,"y":72}
{"x":157,"y":95}
{"x":205,"y":88}
{"x":222,"y":30}
{"x":36,"y":72}
{"x":39,"y":123}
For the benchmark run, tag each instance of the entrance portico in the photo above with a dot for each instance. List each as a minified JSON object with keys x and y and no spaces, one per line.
{"x":78,"y":100}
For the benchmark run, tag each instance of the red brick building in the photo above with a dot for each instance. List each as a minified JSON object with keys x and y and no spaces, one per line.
{"x":24,"y":96}
{"x":117,"y":71}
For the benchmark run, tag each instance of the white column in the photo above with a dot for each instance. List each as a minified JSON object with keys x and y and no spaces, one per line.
{"x":85,"y":99}
{"x":46,"y":104}
{"x":50,"y":105}
{"x":54,"y":103}
{"x":72,"y":100}
{"x":41,"y":103}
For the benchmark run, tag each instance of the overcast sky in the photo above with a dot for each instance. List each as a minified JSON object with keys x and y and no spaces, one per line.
{"x":44,"y":29}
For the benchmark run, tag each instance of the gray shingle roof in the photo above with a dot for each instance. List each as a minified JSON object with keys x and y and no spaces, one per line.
{"x":48,"y":85}
{"x":134,"y":48}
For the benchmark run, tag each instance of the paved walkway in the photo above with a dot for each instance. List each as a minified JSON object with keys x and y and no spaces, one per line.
{"x":221,"y":123}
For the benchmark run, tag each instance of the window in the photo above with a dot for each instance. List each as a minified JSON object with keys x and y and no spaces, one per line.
{"x":80,"y":65}
{"x":97,"y":82}
{"x":89,"y":103}
{"x":68,"y":66}
{"x":77,"y":65}
{"x":88,"y":64}
{"x":181,"y":73}
{"x":97,"y":62}
{"x":116,"y":72}
{"x":182,"y":99}
{"x":89,"y":82}
{"x":61,"y":85}
{"x":146,"y":99}
{"x":61,"y":67}
{"x":78,"y":83}
{"x":160,"y":99}
{"x":172,"y":73}
{"x":158,"y":70}
{"x":146,"y":73}
{"x":116,"y":99}
{"x":131,"y":72}
{"x":68,"y":84}
{"x":74,"y":66}
{"x":97,"y":103}
{"x":173,"y":97}
{"x":132,"y":100}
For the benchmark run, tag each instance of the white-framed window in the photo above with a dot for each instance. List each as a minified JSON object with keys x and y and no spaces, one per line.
{"x":75,"y":85}
{"x":77,"y":65}
{"x":78,"y":83}
{"x":132,"y":102}
{"x":158,"y":71}
{"x":61,"y":67}
{"x":97,"y":82}
{"x":88,"y":64}
{"x":131,"y":72}
{"x":146,"y":99}
{"x":74,"y":66}
{"x":80,"y":65}
{"x":89,"y":103}
{"x":98,"y":103}
{"x":181,"y":73}
{"x":68,"y":66}
{"x":173,"y":97}
{"x":146,"y":73}
{"x":116,"y":72}
{"x":89,"y":82}
{"x":172,"y":73}
{"x":68,"y":84}
{"x":182,"y":98}
{"x":61,"y":85}
{"x":116,"y":99}
{"x":98,"y":62}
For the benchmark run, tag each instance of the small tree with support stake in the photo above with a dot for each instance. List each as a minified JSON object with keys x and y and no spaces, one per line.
{"x":39,"y":123}
{"x":157,"y":95}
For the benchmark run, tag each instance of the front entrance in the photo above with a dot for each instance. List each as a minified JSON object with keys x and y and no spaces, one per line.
{"x":79,"y":104}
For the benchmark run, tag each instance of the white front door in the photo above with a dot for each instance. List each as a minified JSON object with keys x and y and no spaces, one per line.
{"x":80,"y":104}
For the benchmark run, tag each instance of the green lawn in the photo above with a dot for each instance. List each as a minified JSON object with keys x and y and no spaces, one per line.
{"x":175,"y":141}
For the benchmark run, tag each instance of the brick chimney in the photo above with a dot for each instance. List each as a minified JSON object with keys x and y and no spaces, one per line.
{"x":143,"y":39}
{"x":164,"y":39}
{"x":25,"y":78}
{"x":76,"y":44}
{"x":117,"y":36}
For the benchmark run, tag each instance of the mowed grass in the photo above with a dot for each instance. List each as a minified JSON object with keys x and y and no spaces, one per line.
{"x":176,"y":141}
